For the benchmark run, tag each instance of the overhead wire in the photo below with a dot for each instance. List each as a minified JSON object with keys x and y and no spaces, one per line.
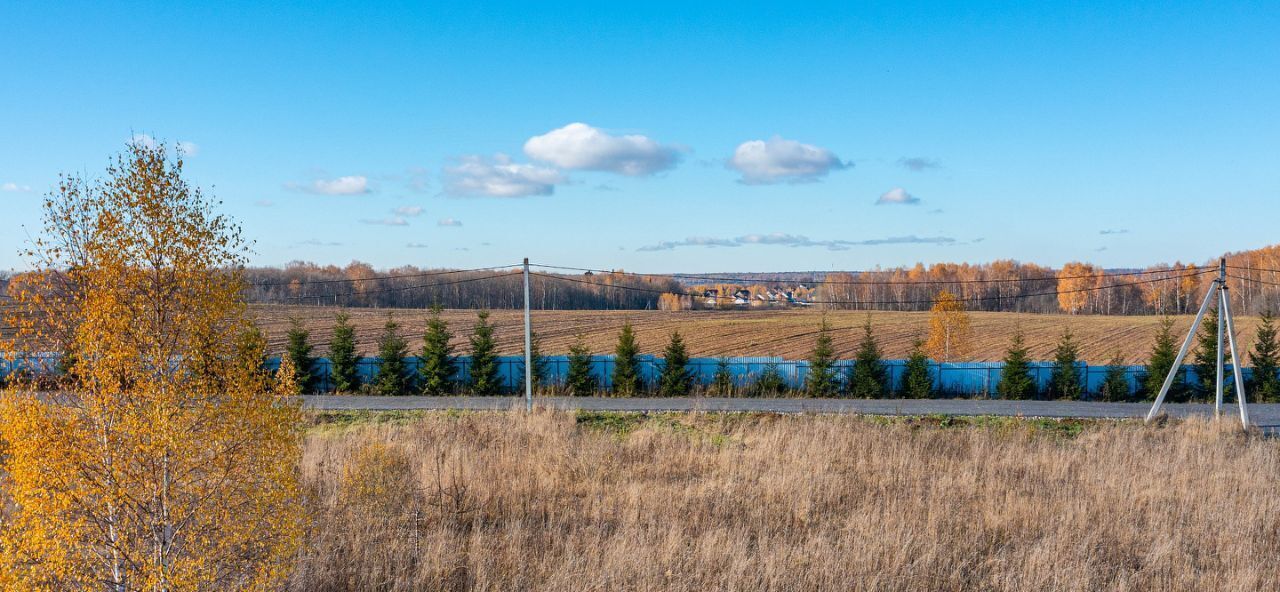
{"x":757,"y":280}
{"x":379,"y":277}
{"x":895,"y":302}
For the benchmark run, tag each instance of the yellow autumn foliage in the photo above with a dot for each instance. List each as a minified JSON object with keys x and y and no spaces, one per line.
{"x":169,"y":460}
{"x":949,"y":334}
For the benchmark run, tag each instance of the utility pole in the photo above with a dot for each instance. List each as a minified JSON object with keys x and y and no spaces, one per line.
{"x":529,"y":349}
{"x":1219,"y":289}
{"x":1217,"y":391}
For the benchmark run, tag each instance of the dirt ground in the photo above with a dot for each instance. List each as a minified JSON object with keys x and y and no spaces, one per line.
{"x":744,"y":333}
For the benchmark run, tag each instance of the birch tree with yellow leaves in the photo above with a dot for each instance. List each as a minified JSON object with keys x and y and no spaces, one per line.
{"x":949,"y":333}
{"x":169,"y":460}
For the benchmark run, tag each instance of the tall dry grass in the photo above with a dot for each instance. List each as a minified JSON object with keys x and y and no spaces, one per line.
{"x":704,"y":502}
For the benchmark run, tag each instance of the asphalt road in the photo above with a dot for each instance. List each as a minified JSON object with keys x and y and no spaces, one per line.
{"x":1262,"y":415}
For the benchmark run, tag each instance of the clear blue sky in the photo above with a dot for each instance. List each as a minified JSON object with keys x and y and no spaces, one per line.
{"x":717,"y":137}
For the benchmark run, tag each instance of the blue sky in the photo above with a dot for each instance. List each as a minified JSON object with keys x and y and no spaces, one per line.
{"x":670,"y":136}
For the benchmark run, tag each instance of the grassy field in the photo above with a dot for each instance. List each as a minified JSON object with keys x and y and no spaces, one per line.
{"x":559,"y":502}
{"x":743,"y":333}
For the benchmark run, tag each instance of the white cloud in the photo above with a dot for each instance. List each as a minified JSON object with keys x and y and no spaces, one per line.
{"x":499,"y":177}
{"x":264,"y":203}
{"x":693,"y":241}
{"x":796,"y":240}
{"x":144,"y":140}
{"x":348,"y":185}
{"x":416,"y":245}
{"x":897,"y":195}
{"x":918,"y":164}
{"x":187,"y":148}
{"x":774,"y":238}
{"x":14,"y":188}
{"x":411,"y":211}
{"x":449,"y":222}
{"x":778,"y":160}
{"x":418,"y":179}
{"x":1114,"y":231}
{"x":392,"y":221}
{"x":582,"y":147}
{"x":317,"y":243}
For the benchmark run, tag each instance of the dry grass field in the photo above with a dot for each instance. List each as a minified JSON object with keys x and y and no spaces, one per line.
{"x":744,"y":333}
{"x":557,"y":502}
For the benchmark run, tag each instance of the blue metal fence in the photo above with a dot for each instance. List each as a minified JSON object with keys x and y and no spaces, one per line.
{"x":959,"y":378}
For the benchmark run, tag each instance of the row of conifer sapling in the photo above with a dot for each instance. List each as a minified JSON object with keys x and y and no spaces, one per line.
{"x":438,"y":370}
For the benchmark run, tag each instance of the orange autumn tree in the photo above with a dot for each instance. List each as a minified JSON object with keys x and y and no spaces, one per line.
{"x":1073,"y":282}
{"x":169,"y":458}
{"x":948,"y":328}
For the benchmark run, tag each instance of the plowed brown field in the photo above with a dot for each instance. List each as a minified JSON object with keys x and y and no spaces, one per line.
{"x":745,"y":333}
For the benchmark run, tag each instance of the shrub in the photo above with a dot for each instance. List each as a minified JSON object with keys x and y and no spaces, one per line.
{"x":869,"y":378}
{"x":1205,"y":361}
{"x":343,"y":362}
{"x":1264,"y":385}
{"x":299,"y":350}
{"x":916,"y":382}
{"x":437,"y":364}
{"x":393,"y":375}
{"x":769,"y":382}
{"x":626,"y":366}
{"x":722,"y":382}
{"x":1163,"y":353}
{"x":484,"y":358}
{"x":1064,"y":381}
{"x":820,"y":381}
{"x":376,"y":476}
{"x":579,"y":381}
{"x":539,"y":364}
{"x":1015,"y":379}
{"x":1115,"y":385}
{"x":676,"y":380}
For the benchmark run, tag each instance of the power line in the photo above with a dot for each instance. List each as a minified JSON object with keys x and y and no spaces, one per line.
{"x":1254,"y":280}
{"x":1261,"y":269}
{"x":380,"y":277}
{"x":894,"y":302}
{"x":719,"y":278}
{"x":394,"y":288}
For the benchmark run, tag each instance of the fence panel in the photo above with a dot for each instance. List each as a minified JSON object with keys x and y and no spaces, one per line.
{"x":954,"y":378}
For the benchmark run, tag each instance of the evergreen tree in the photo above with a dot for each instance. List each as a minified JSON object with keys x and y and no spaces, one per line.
{"x":437,"y":365}
{"x":299,"y":349}
{"x":1163,"y":354}
{"x":770,"y":382}
{"x":1205,"y":360}
{"x":484,"y":358}
{"x":393,"y":375}
{"x":821,"y":378}
{"x":869,"y":378}
{"x":539,"y":363}
{"x":626,"y":368}
{"x":1064,"y":381}
{"x":250,"y":344}
{"x":1115,"y":384}
{"x":916,"y":382}
{"x":1016,"y":381}
{"x":579,"y":381}
{"x":676,"y":379}
{"x":722,"y":382}
{"x":343,"y":361}
{"x":1264,"y":385}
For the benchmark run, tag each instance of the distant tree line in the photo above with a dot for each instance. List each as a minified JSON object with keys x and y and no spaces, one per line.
{"x":359,"y":284}
{"x":1003,"y":285}
{"x":1075,"y":288}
